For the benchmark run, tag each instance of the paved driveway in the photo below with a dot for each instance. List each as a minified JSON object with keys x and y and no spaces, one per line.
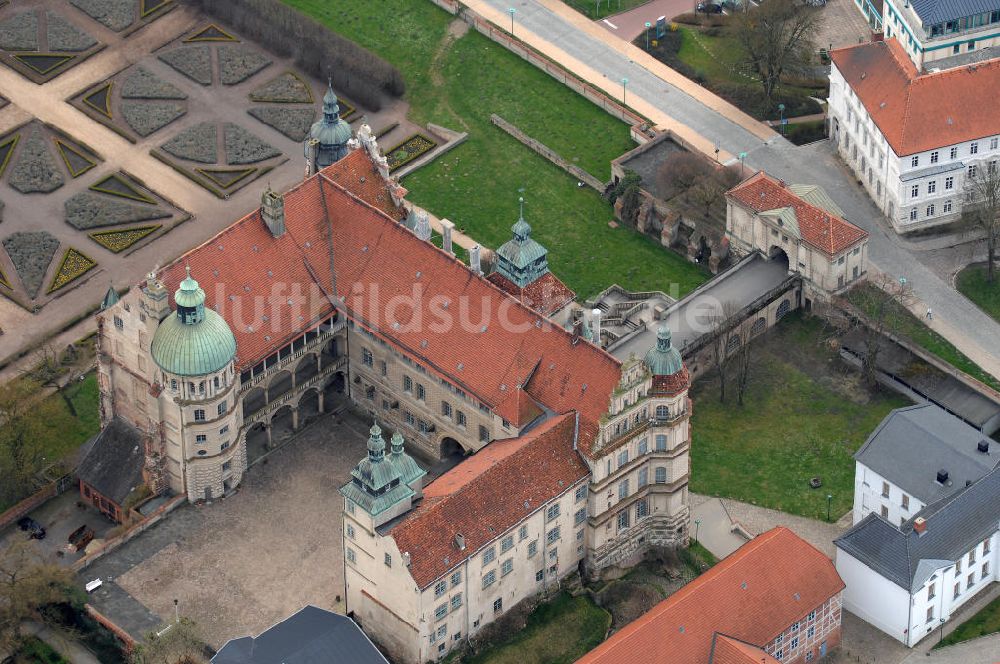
{"x":241,"y":564}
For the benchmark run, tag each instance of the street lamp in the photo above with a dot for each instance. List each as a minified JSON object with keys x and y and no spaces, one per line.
{"x":177,"y":614}
{"x":512,"y":10}
{"x":781,"y":116}
{"x":624,"y":83}
{"x":743,"y":161}
{"x":941,"y":636}
{"x":829,"y":499}
{"x":697,"y":522}
{"x":648,"y":26}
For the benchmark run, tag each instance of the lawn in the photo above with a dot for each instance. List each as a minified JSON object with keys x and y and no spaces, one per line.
{"x":914,"y":329}
{"x":600,"y":8}
{"x":557,"y":632}
{"x":972,"y":284}
{"x":457,"y":82}
{"x":986,"y":621}
{"x":805,"y":415}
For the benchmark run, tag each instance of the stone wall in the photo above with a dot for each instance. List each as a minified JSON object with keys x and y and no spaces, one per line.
{"x":549,"y":153}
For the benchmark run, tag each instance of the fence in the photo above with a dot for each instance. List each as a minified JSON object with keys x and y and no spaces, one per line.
{"x":550,"y":67}
{"x":548,"y":153}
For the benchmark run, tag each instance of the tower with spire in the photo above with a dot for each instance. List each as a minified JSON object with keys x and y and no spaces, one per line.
{"x":522,"y":259}
{"x":383,"y":486}
{"x":328,"y":137}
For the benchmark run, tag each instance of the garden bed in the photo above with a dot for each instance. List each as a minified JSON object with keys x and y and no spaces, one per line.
{"x":287,"y":88}
{"x":74,"y":265}
{"x":291,"y":122}
{"x":114,"y":14}
{"x":143,"y":84}
{"x":238,"y":62}
{"x":31,"y":252}
{"x":242,"y":147}
{"x":147,"y":117}
{"x":118,"y":241}
{"x":20,"y":32}
{"x":64,"y":36}
{"x":193,"y":61}
{"x":86,"y":210}
{"x":195,"y":143}
{"x":35,"y":170}
{"x":118,"y":184}
{"x":408,"y":150}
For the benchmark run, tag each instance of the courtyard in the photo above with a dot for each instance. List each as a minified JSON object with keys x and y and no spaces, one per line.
{"x":239,"y":565}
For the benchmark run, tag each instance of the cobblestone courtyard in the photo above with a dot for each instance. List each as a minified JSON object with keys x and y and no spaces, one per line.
{"x":239,"y":565}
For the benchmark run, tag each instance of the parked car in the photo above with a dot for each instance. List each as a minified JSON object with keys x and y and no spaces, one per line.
{"x":32,"y":527}
{"x":709,"y":8}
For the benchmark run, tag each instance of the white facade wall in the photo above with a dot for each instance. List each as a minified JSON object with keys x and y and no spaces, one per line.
{"x":913,"y":191}
{"x":924,"y":46}
{"x":872,"y":597}
{"x":874,"y":493}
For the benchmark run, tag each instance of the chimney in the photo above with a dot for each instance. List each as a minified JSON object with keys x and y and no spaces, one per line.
{"x":446,"y":229}
{"x":406,"y":559}
{"x":596,"y":325}
{"x":984,"y":446}
{"x":942,"y":476}
{"x":920,"y":525}
{"x":460,"y":541}
{"x":423,"y":229}
{"x":272,"y":211}
{"x":474,"y":259}
{"x":577,"y":328}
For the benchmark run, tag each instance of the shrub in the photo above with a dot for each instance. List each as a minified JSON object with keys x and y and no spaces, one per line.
{"x":31,"y":252}
{"x":115,"y":14}
{"x":64,"y":36}
{"x":36,"y":169}
{"x":362,"y":75}
{"x":120,"y":240}
{"x":73,"y":266}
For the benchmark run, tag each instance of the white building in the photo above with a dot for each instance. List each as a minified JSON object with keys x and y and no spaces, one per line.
{"x":912,"y":139}
{"x":931,"y":31}
{"x":909,"y":581}
{"x":916,"y":456}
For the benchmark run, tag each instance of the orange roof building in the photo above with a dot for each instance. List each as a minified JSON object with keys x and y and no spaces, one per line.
{"x":912,"y":138}
{"x":774,"y":598}
{"x":799,"y":225}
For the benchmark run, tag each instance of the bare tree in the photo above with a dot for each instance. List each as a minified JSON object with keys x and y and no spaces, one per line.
{"x":776,"y":36}
{"x":724,"y":336}
{"x":180,"y":643}
{"x":27,"y":586}
{"x":741,"y":358}
{"x":885,"y":302}
{"x":711,"y":188}
{"x":680,"y":171}
{"x":982,"y":207}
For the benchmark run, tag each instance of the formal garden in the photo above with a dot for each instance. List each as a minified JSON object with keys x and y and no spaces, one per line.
{"x":40,"y":44}
{"x":805,"y":414}
{"x":452,"y":80}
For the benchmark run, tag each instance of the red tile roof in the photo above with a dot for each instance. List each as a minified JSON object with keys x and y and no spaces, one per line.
{"x":358,"y":174}
{"x":271,"y":289}
{"x":672,"y":384}
{"x":917,"y":112}
{"x":727,"y":650}
{"x":488,"y":494}
{"x":822,"y":230}
{"x":546,"y":295}
{"x":753,"y":595}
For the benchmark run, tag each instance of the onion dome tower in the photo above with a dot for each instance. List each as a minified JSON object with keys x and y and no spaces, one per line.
{"x":665,"y":364}
{"x":522,"y":259}
{"x":380,"y":484}
{"x":195,"y":341}
{"x":330,"y":134}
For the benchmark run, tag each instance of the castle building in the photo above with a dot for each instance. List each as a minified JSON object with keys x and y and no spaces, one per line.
{"x":323,"y":297}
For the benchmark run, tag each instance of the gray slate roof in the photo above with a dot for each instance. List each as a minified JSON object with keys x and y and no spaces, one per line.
{"x":939,"y":11}
{"x":954,"y":526}
{"x":112,"y":462}
{"x":310,"y":636}
{"x":912,"y":444}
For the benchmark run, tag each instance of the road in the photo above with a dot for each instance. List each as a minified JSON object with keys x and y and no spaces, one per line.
{"x":706,"y":121}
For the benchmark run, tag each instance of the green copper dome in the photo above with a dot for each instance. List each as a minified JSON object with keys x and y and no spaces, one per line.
{"x":663,"y":359}
{"x":331,"y":132}
{"x":194,"y":341}
{"x":522,"y":259}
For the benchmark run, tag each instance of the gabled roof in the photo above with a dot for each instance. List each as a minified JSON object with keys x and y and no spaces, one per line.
{"x":752,"y":595}
{"x":486,"y":495}
{"x":309,"y":636}
{"x":727,"y":650}
{"x":113,"y":461}
{"x":912,"y":444}
{"x":270,"y":290}
{"x":546,"y":295}
{"x":826,"y":232}
{"x":954,"y":525}
{"x":917,"y":112}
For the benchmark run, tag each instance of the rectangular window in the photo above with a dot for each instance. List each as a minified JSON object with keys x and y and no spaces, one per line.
{"x":885,"y":512}
{"x":794,"y":643}
{"x":552,"y":512}
{"x":946,"y":207}
{"x":446,"y":409}
{"x":661,"y":442}
{"x":227,"y":466}
{"x":522,"y":533}
{"x":484,"y":434}
{"x":930,"y":613}
{"x":581,"y":492}
{"x":580,"y":516}
{"x":506,"y":567}
{"x":643,"y":446}
{"x":623,"y":490}
{"x":421,"y":393}
{"x":972,"y":557}
{"x":885,"y":489}
{"x":350,"y":531}
{"x":985,"y":571}
{"x":972,"y":171}
{"x":811,"y":616}
{"x":407,"y":384}
{"x":441,"y":611}
{"x":810,"y":632}
{"x":460,"y":418}
{"x":388,"y":560}
{"x":643,"y":477}
{"x":914,"y":161}
{"x":913,"y":214}
{"x":622,"y":458}
{"x":442,"y":632}
{"x":994,"y":141}
{"x":661,"y":475}
{"x":953,"y":154}
{"x":623,"y":522}
{"x":199,"y":415}
{"x":539,"y":575}
{"x":579,"y":535}
{"x":641,"y":509}
{"x":934,"y":157}
{"x":409,"y":418}
{"x":224,"y":446}
{"x":351,"y":558}
{"x":956,"y":591}
{"x":914,"y":191}
{"x":905,"y":503}
{"x":507,"y":543}
{"x":367,"y":358}
{"x":201,"y":438}
{"x":532,"y":548}
{"x":931,"y":591}
{"x":440,"y":588}
{"x":489,"y":578}
{"x":370,"y":392}
{"x":986,"y":546}
{"x":932,"y":186}
{"x":974,"y":146}
{"x":489,"y":555}
{"x":456,"y":578}
{"x":350,"y":507}
{"x":383,"y":368}
{"x":456,"y":601}
{"x":970,"y":581}
{"x":498,"y":605}
{"x":930,"y":210}
{"x":552,"y":535}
